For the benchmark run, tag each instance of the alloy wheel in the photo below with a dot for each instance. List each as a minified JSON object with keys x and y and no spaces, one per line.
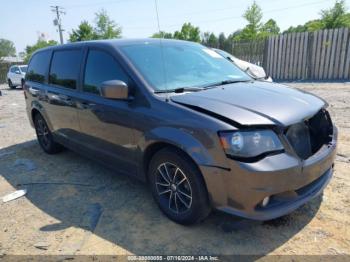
{"x":173,"y":188}
{"x":43,"y":132}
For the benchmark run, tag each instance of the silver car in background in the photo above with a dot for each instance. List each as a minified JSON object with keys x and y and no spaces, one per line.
{"x":16,"y":75}
{"x":255,"y":71}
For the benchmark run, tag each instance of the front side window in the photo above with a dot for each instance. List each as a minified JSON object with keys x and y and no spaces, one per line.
{"x":65,"y":68}
{"x":101,"y":67}
{"x":169,"y":66}
{"x":13,"y":69}
{"x":38,"y":67}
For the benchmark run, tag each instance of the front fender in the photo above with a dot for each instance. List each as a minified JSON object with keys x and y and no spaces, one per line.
{"x":183,"y":139}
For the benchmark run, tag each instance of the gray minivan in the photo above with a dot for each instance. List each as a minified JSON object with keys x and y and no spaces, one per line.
{"x":177,"y":115}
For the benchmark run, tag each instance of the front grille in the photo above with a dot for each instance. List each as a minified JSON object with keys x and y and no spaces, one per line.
{"x":309,"y":136}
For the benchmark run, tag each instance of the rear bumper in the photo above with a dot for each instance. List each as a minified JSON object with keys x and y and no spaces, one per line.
{"x":287,"y":180}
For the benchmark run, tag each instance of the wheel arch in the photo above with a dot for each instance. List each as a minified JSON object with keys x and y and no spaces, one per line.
{"x":38,"y":109}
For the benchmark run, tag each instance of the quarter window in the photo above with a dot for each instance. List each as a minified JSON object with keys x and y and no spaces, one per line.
{"x":38,"y":67}
{"x":65,"y":68}
{"x":101,"y":67}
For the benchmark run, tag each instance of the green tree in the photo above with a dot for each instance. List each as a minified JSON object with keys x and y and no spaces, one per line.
{"x":7,"y":48}
{"x":162,"y":34}
{"x":222,"y":41}
{"x":253,"y":15}
{"x":213,"y":41}
{"x":313,"y":25}
{"x":84,"y":32}
{"x":336,"y":16}
{"x":188,"y":32}
{"x":38,"y":45}
{"x":205,"y":38}
{"x":270,"y":27}
{"x":106,"y":28}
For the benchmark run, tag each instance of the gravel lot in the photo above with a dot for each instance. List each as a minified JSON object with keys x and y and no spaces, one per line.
{"x":75,"y":206}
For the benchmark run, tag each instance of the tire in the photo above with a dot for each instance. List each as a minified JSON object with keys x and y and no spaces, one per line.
{"x":22,"y":83}
{"x":183,"y":199}
{"x":10,"y":84}
{"x":44,"y":136}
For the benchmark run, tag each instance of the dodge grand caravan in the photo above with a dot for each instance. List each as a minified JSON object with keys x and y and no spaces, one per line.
{"x":199,"y":131}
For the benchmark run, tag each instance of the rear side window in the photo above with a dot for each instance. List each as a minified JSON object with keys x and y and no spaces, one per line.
{"x":101,"y":67}
{"x":65,"y":68}
{"x":38,"y":67}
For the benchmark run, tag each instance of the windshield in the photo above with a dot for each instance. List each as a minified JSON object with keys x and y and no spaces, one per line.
{"x":23,"y":68}
{"x":185,"y":65}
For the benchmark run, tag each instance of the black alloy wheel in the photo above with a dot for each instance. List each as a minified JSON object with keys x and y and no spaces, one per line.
{"x":178,"y":186}
{"x":44,"y":136}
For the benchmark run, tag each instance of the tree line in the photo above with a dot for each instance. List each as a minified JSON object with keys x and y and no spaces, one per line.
{"x":103,"y":27}
{"x":334,"y":17}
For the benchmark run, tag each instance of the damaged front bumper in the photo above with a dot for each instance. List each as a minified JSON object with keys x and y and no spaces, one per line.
{"x":288,"y":181}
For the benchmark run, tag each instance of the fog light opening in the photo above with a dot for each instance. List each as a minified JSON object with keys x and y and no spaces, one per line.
{"x":265,"y":201}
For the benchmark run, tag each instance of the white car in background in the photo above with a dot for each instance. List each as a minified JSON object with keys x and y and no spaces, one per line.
{"x":16,"y":75}
{"x":255,"y":71}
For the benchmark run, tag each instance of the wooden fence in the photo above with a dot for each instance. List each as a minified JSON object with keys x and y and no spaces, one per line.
{"x":251,"y":51}
{"x":320,"y":55}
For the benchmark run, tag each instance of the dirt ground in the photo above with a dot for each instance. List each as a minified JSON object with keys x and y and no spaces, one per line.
{"x":75,"y":206}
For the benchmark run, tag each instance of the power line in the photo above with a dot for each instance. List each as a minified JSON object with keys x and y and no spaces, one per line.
{"x":58,"y":10}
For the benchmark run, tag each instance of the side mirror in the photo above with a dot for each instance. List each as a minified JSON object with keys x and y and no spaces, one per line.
{"x":114,"y":89}
{"x":17,"y":72}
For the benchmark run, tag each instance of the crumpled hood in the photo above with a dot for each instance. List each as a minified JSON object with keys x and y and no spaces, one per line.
{"x":255,"y":103}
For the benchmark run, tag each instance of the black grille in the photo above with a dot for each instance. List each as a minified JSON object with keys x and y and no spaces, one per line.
{"x":309,"y":136}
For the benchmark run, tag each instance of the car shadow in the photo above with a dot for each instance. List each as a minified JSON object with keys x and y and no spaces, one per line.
{"x":17,"y":88}
{"x":83,"y":194}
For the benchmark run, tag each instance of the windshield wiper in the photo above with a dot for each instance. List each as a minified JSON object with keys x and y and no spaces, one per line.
{"x":196,"y":89}
{"x":179,"y":90}
{"x":224,"y":82}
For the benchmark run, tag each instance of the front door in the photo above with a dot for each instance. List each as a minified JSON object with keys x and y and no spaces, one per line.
{"x":106,"y":124}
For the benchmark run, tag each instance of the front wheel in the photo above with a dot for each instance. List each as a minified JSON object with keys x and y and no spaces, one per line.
{"x":177,"y":187}
{"x":44,"y":136}
{"x":10,"y":84}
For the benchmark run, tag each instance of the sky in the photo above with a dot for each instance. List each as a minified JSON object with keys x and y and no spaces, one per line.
{"x":21,"y":21}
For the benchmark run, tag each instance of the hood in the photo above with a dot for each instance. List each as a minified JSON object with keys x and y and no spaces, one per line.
{"x":254,"y":103}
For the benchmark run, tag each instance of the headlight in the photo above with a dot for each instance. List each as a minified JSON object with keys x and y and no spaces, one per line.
{"x":248,"y":144}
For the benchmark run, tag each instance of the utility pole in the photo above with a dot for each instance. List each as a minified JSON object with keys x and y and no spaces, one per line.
{"x":57,"y":22}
